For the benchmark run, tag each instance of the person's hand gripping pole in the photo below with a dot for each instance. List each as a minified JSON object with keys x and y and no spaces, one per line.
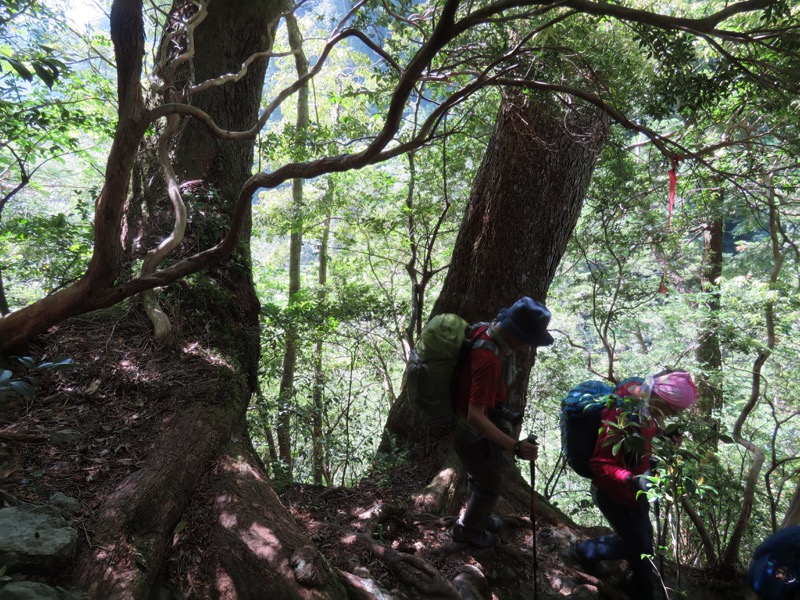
{"x":527,"y":449}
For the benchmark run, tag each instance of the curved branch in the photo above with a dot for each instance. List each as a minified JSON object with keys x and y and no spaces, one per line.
{"x":732,"y":551}
{"x":96,"y":290}
{"x":700,"y":527}
{"x":190,"y":26}
{"x":234,"y":77}
{"x":23,"y":180}
{"x":704,"y":25}
{"x":154,"y":256}
{"x":187,"y":109}
{"x":657,"y":139}
{"x":750,"y":74}
{"x":447,"y":30}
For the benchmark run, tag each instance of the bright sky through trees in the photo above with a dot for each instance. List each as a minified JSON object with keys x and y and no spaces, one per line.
{"x":84,"y":13}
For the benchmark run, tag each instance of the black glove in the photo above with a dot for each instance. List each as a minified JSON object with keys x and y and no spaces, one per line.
{"x":674,"y":432}
{"x":638,"y":483}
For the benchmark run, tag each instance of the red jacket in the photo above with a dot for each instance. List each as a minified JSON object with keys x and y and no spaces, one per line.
{"x":611,"y":474}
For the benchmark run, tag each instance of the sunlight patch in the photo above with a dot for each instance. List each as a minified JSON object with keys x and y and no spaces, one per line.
{"x":225,"y":586}
{"x":445,"y":475}
{"x":261,"y":541}
{"x":242,"y":467}
{"x":195,"y":349}
{"x":349,"y":538}
{"x":227,"y":519}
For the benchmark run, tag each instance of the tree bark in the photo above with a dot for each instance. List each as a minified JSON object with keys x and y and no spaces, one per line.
{"x":287,"y":391}
{"x":320,"y":467}
{"x":524,"y":204}
{"x":709,"y":353}
{"x":4,"y":309}
{"x":202,"y":465}
{"x":792,"y":517}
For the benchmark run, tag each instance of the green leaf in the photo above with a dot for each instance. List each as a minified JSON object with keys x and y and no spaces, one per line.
{"x":23,"y":388}
{"x":56,"y":364}
{"x":615,"y":450}
{"x":45,"y":75}
{"x":5,"y":376}
{"x":21,"y":69}
{"x":179,"y":527}
{"x":27,"y":362}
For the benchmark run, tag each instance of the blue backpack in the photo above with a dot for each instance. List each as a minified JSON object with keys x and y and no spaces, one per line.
{"x":581,"y":410}
{"x":774,"y":572}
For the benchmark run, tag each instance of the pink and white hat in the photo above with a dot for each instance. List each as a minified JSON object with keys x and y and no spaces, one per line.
{"x":676,"y":388}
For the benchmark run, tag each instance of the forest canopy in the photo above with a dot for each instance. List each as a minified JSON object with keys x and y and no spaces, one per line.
{"x":287,"y":183}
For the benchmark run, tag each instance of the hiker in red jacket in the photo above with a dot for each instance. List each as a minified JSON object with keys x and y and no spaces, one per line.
{"x":620,"y":483}
{"x":478,"y":441}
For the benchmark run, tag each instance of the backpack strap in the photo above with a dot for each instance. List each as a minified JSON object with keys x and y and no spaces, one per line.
{"x":486,"y":345}
{"x":473,"y":342}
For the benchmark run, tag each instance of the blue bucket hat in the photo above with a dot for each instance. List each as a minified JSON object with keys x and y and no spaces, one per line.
{"x":527,"y":320}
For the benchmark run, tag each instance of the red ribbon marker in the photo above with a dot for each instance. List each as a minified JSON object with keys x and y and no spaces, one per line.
{"x":673,"y":179}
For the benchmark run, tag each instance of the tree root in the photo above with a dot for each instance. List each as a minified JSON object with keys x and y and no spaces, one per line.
{"x":412,"y":570}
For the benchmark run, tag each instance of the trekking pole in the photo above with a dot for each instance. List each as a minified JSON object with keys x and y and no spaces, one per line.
{"x":659,"y":541}
{"x":532,"y":440}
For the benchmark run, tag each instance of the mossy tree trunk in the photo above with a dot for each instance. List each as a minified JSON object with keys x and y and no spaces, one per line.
{"x":202,"y":470}
{"x":524,"y":204}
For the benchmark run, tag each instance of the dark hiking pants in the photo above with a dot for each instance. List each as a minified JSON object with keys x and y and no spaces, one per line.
{"x":483,"y":460}
{"x":633,"y":537}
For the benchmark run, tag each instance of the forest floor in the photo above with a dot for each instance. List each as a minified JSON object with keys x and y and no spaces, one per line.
{"x":382,"y":509}
{"x":88,"y":428}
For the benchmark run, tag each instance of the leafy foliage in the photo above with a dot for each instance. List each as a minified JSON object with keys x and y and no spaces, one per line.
{"x":53,"y":109}
{"x":43,"y":252}
{"x":628,"y":297}
{"x":25,"y":385}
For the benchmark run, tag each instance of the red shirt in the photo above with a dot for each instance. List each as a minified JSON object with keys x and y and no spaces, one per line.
{"x":482,"y":381}
{"x":610,"y":473}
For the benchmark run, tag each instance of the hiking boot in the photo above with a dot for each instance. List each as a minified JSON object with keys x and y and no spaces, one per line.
{"x":595,"y":568}
{"x":574,"y":555}
{"x":494,"y":523}
{"x":479,"y":539}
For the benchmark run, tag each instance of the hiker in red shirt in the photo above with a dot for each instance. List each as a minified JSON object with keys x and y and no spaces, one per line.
{"x":478,"y":441}
{"x":619,"y":481}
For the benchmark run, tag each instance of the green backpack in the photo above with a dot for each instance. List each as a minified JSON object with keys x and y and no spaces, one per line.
{"x":432,"y":373}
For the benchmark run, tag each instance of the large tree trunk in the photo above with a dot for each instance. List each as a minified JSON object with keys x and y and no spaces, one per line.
{"x":201,"y":467}
{"x":524,"y":204}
